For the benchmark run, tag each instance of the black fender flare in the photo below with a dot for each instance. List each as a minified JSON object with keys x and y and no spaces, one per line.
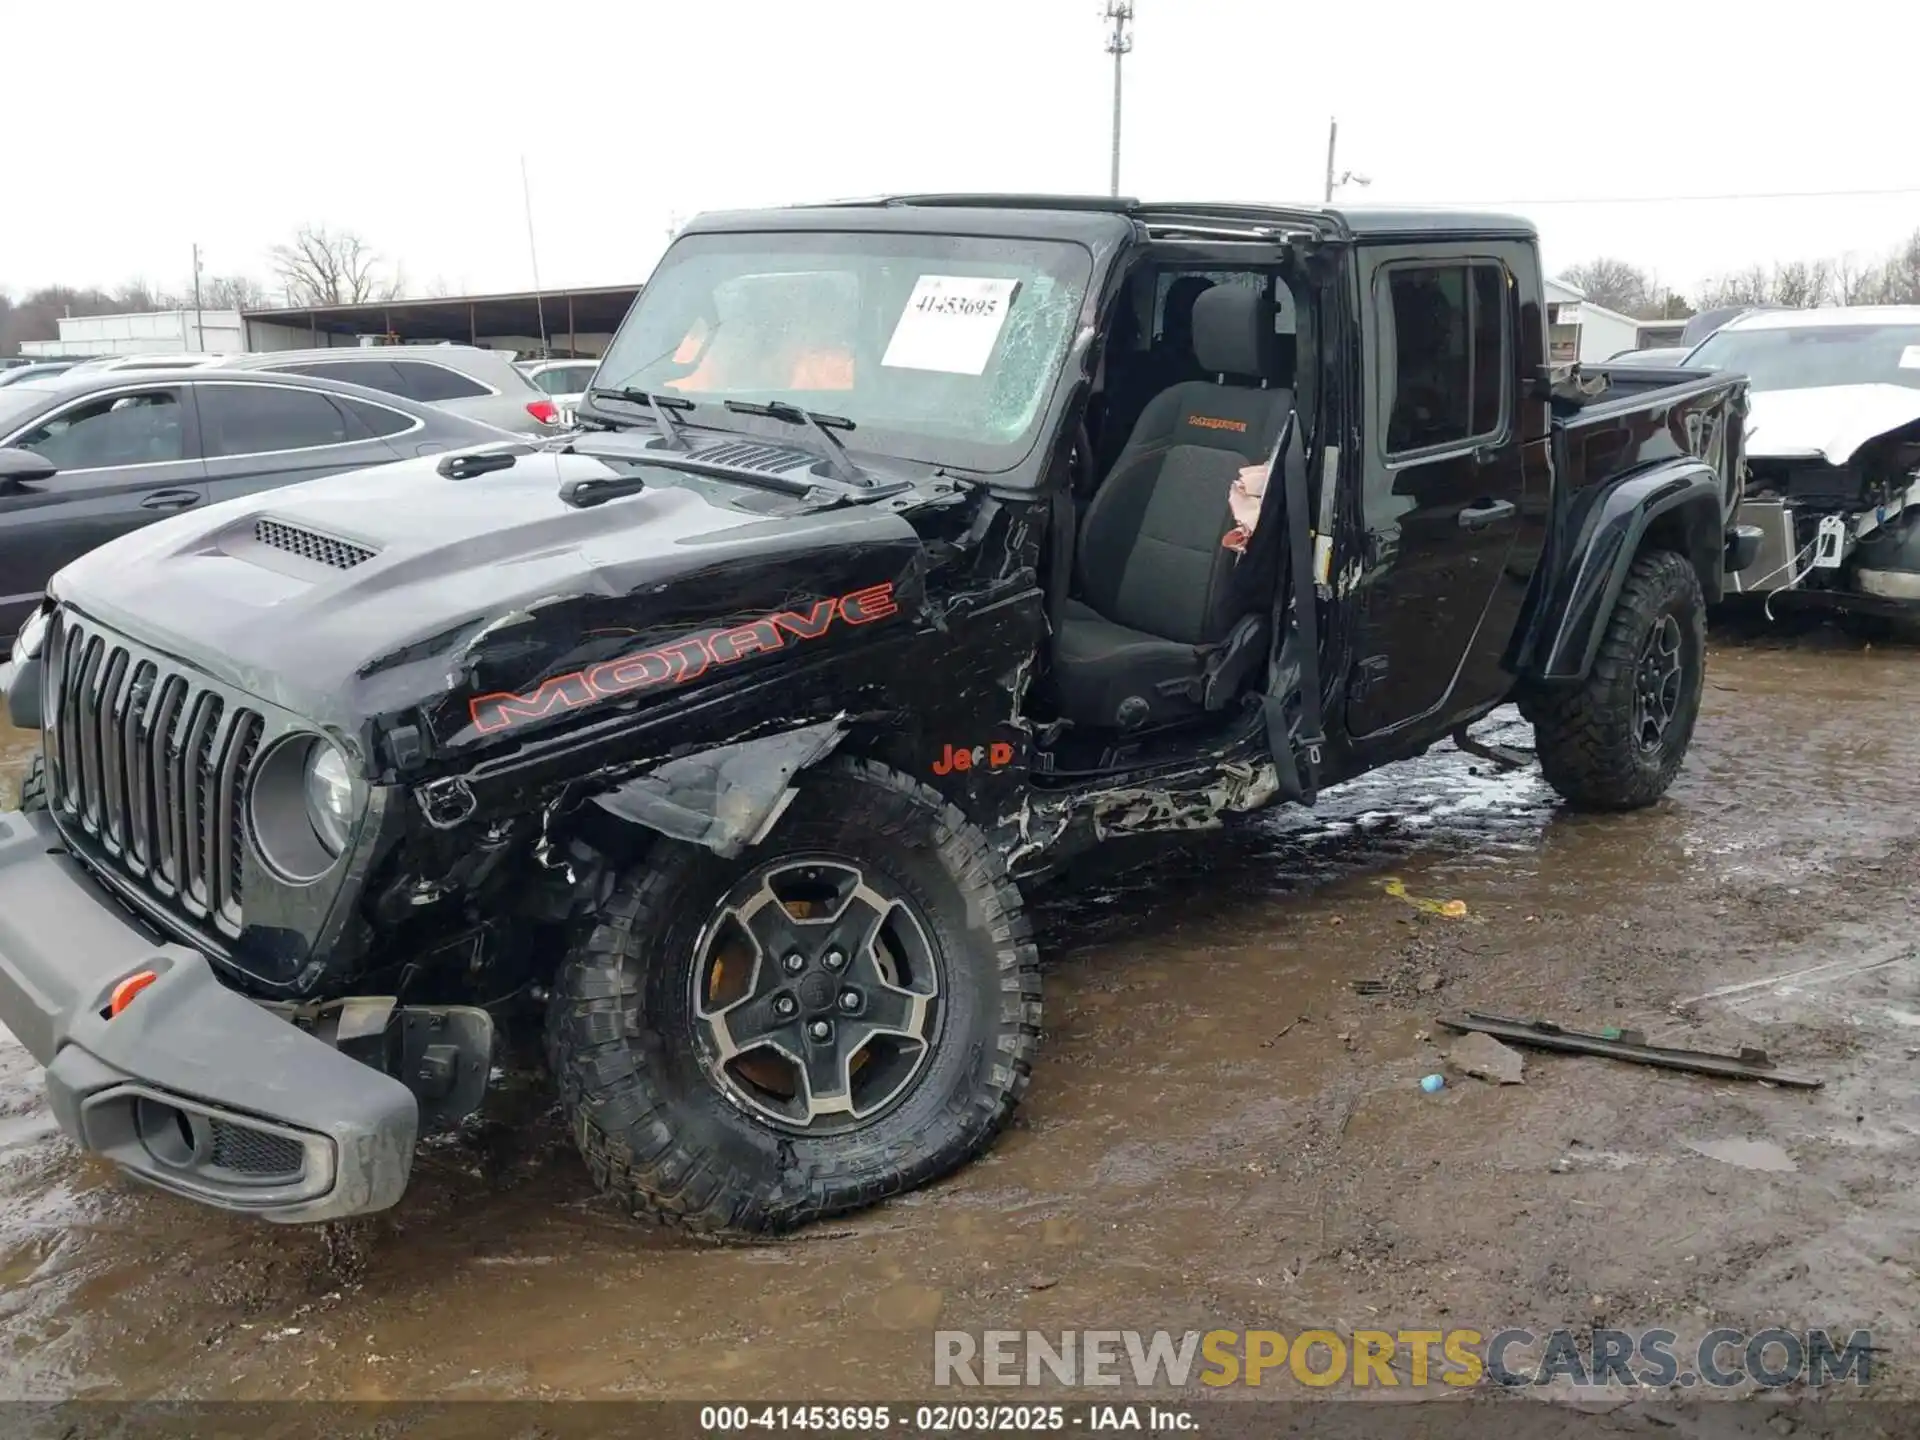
{"x":728,"y":797}
{"x":1682,"y":496}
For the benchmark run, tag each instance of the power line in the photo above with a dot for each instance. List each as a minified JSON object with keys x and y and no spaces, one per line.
{"x":1687,"y":199}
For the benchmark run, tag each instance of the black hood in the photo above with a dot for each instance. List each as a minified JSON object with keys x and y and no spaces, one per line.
{"x":363,"y":596}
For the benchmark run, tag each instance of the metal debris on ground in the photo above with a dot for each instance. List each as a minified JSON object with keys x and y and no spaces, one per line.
{"x":1281,"y":1033}
{"x":1397,"y":888}
{"x":1750,"y":1063}
{"x":1369,"y":987}
{"x":1485,"y":1058}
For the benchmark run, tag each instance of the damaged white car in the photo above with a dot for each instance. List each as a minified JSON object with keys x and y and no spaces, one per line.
{"x":1833,"y":453}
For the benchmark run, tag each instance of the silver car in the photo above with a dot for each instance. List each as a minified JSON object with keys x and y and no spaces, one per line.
{"x":565,"y":380}
{"x":481,"y":385}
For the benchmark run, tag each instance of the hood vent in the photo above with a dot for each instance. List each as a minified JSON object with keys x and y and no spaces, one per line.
{"x":751,"y":455}
{"x":311,"y":545}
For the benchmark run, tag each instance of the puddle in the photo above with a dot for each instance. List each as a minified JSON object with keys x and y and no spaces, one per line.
{"x":1747,"y":1154}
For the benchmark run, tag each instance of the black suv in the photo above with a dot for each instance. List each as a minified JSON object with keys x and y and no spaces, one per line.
{"x":907,"y":548}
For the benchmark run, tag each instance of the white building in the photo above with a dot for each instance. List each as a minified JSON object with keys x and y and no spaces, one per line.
{"x":158,"y":332}
{"x":1577,"y":329}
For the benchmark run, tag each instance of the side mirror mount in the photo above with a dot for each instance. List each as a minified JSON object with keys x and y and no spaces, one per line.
{"x":21,"y":467}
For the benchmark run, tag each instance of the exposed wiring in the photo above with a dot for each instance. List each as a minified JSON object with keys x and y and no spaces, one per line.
{"x":1767,"y":608}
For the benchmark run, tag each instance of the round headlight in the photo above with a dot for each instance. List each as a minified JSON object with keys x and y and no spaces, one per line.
{"x":329,"y":787}
{"x":303,"y":803}
{"x":27,"y":643}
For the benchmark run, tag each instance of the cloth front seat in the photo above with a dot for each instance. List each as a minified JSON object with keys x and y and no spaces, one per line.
{"x":1156,"y":593}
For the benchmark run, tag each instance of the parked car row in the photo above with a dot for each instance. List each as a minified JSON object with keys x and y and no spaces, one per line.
{"x":479,"y":384}
{"x":91,"y":448}
{"x":87,"y":457}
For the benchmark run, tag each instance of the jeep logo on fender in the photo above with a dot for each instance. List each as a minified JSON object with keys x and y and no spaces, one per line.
{"x":980,"y":757}
{"x":680,"y":660}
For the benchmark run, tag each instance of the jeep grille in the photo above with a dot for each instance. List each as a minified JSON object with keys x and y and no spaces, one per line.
{"x":151,"y":763}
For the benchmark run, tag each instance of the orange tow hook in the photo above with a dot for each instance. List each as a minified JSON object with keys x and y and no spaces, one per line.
{"x":124,"y":992}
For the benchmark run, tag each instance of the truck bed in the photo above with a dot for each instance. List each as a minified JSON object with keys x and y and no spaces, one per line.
{"x":1614,"y":453}
{"x":1644,"y":416}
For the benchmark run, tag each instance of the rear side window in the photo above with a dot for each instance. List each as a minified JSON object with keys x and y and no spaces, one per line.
{"x":121,"y":429}
{"x":564,"y":379}
{"x":1448,"y":343}
{"x":259,"y":419}
{"x":422,"y":381}
{"x":374,"y":420}
{"x":374,"y":374}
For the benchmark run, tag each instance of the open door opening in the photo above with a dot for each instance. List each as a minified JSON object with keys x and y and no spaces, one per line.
{"x":1165,"y":633}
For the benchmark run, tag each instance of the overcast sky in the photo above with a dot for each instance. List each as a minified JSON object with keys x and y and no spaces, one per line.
{"x":406,"y":120}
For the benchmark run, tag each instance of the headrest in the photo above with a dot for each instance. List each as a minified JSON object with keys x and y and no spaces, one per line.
{"x":1233,"y":331}
{"x":1181,"y":296}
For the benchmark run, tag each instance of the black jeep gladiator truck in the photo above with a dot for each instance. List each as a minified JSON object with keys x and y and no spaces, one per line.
{"x":888,"y":568}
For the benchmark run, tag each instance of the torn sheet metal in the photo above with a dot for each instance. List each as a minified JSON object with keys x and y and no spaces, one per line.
{"x":726,"y":798}
{"x":1145,"y":810}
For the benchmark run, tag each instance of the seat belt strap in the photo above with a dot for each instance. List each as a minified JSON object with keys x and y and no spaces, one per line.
{"x":1306,"y":626}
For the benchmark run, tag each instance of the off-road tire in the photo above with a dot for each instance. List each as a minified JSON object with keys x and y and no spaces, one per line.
{"x":1586,"y":735}
{"x":657,"y":1131}
{"x":33,"y":785}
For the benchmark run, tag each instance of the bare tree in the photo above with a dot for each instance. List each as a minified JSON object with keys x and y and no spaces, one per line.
{"x":1803,"y":284}
{"x":1617,"y":285}
{"x":232,"y":292}
{"x":332,"y":267}
{"x":138,"y":297}
{"x":1797,"y":284}
{"x":1751,"y":286}
{"x":1899,"y":278}
{"x":1853,"y":281}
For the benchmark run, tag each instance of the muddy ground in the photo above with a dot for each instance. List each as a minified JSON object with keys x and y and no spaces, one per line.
{"x":1221,"y":1131}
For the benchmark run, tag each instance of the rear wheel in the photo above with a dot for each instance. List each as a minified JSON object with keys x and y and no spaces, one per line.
{"x":33,"y":785}
{"x":1616,"y":741}
{"x":849,"y":1010}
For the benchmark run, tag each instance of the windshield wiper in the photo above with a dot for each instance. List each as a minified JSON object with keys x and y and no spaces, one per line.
{"x":662,"y":407}
{"x":832,"y":451}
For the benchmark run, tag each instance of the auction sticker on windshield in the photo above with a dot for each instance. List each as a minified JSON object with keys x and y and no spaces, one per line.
{"x":1910,"y":358}
{"x":951,"y":323}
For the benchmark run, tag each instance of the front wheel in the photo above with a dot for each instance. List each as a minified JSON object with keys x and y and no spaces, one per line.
{"x":848,"y":1011}
{"x":1616,"y":741}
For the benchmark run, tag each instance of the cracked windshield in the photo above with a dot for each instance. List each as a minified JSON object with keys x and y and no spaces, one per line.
{"x":937,"y":348}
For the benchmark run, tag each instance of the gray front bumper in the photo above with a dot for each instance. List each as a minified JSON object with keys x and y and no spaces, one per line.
{"x":192,"y":1087}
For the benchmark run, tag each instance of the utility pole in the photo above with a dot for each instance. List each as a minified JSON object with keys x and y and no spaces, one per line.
{"x":199,"y":330}
{"x":533,"y":255}
{"x":1119,"y":42}
{"x":1338,"y":178}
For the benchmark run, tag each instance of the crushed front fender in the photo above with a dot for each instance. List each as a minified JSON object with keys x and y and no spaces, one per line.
{"x":728,"y":797}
